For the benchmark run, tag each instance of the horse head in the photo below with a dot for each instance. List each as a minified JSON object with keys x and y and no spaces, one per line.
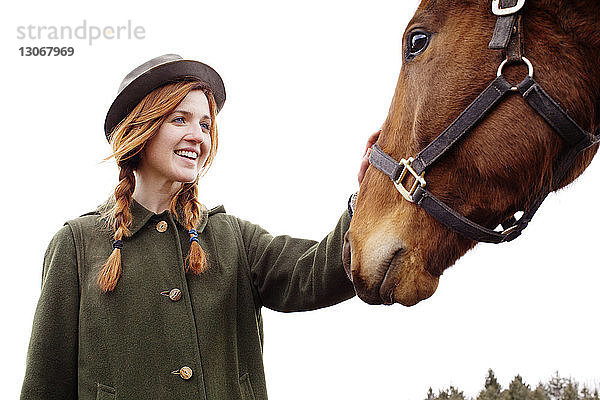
{"x":396,"y":251}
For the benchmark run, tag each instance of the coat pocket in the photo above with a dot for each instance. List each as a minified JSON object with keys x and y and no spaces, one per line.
{"x":105,"y":392}
{"x":246,"y":387}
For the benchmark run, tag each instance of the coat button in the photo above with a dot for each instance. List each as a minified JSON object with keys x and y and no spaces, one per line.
{"x":161,"y":226}
{"x":173,"y":294}
{"x":184,"y":373}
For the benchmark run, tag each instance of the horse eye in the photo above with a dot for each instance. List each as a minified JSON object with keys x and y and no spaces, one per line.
{"x":417,"y":43}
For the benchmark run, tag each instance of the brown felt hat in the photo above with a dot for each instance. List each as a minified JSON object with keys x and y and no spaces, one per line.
{"x":155,"y":73}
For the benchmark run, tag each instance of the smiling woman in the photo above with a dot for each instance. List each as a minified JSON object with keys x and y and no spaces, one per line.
{"x":118,"y":289}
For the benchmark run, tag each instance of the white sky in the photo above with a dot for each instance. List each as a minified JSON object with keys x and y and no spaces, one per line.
{"x":306,"y":82}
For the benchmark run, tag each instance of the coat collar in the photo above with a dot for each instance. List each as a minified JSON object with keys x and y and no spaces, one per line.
{"x":142,"y":215}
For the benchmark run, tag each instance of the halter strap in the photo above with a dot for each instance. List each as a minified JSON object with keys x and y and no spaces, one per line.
{"x":554,"y":114}
{"x":466,"y":121}
{"x":507,"y":32}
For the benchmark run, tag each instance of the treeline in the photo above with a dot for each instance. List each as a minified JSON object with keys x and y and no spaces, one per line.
{"x":557,"y":388}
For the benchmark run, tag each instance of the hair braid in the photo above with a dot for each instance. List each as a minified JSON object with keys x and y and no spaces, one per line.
{"x":187,"y":202}
{"x":111,"y":271}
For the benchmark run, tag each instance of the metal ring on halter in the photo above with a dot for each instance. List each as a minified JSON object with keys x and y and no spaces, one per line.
{"x":529,"y":68}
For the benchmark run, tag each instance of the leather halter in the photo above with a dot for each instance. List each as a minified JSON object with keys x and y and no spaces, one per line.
{"x":507,"y":37}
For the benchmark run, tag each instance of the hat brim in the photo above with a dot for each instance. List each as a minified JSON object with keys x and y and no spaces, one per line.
{"x":159,"y":76}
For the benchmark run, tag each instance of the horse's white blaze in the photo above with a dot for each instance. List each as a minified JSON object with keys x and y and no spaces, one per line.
{"x":378,"y":249}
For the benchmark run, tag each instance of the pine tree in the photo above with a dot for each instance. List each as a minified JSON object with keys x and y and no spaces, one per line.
{"x":430,"y":395}
{"x":492,"y":388}
{"x":585,"y":393}
{"x":556,"y":386}
{"x":455,"y":394}
{"x":450,"y":394}
{"x":539,"y":393}
{"x":570,"y":391}
{"x":517,"y":390}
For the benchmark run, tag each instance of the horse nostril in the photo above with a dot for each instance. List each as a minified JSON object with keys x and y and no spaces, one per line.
{"x":347,"y":256}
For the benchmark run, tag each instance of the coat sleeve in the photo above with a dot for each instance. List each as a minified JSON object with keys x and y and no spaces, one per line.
{"x":51,"y":368}
{"x":291,"y":274}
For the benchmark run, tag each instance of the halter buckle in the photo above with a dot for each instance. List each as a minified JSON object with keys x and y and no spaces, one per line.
{"x":497,"y":10}
{"x":419,"y":180}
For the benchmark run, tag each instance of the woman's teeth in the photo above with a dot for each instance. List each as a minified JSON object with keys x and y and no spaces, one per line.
{"x":188,"y":154}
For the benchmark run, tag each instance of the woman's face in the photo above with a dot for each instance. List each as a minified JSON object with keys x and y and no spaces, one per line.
{"x":181,"y":146}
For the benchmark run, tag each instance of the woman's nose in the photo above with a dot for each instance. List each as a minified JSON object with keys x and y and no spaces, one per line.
{"x":196,"y":134}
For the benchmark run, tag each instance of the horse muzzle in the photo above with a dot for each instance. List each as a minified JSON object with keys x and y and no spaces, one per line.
{"x":387,"y":274}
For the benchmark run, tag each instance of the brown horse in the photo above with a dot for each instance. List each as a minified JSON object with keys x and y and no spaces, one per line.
{"x":396,"y":251}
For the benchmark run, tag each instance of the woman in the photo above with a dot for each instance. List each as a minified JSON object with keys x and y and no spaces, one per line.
{"x":152,"y":295}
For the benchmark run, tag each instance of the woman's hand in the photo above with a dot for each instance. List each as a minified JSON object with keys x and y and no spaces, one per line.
{"x":364,"y":163}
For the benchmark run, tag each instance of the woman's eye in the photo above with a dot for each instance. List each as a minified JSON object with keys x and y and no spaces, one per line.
{"x":179,"y":120}
{"x":417,"y":43}
{"x":205,"y":125}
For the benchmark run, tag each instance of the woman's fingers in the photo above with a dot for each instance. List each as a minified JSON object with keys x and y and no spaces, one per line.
{"x":364,"y":162}
{"x":372,"y":139}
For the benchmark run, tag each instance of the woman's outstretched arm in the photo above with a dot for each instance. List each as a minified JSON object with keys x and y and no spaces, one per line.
{"x":291,"y":274}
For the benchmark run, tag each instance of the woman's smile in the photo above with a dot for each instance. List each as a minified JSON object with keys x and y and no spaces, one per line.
{"x":189,"y":158}
{"x":187,"y":154}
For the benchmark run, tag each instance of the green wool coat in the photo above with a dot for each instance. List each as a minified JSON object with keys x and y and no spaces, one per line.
{"x":144,"y":339}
